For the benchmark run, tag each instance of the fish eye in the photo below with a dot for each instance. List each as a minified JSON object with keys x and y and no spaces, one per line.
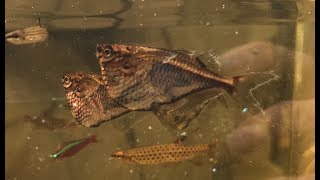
{"x":66,"y":80}
{"x":15,"y":36}
{"x":108,"y":50}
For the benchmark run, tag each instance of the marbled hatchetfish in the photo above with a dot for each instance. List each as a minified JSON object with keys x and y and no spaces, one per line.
{"x":30,"y":35}
{"x":70,"y":148}
{"x":141,"y":78}
{"x":165,"y":153}
{"x":88,"y":99}
{"x":91,"y":104}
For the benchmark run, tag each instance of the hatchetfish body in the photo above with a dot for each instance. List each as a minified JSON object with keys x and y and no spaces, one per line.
{"x":90,"y":104}
{"x":140,"y":78}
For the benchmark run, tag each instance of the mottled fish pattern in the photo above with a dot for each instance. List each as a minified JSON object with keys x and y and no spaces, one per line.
{"x":164,"y":153}
{"x":90,"y":104}
{"x":141,"y":78}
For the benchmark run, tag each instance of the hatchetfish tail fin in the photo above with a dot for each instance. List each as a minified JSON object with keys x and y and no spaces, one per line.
{"x":236,"y":80}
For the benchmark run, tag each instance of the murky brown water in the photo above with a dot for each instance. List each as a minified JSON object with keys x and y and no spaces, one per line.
{"x":270,"y":135}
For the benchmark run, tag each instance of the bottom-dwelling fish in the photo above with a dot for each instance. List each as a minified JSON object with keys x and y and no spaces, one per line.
{"x":30,"y":35}
{"x":70,"y":148}
{"x":165,"y":153}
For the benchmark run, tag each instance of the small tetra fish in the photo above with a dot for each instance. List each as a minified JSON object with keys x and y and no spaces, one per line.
{"x":30,"y":35}
{"x":141,"y":78}
{"x":70,"y":148}
{"x":164,"y":153}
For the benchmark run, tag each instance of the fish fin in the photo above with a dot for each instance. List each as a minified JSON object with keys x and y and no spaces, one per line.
{"x":171,"y":116}
{"x":125,"y":124}
{"x":38,"y":21}
{"x":238,"y":79}
{"x":184,"y":55}
{"x":211,"y":58}
{"x":182,"y":51}
{"x":223,"y":101}
{"x":178,"y":115}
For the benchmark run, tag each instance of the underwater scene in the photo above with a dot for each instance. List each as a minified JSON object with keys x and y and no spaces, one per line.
{"x":159,"y":89}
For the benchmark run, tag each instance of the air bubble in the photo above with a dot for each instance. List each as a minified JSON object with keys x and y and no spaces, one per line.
{"x":245,"y":109}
